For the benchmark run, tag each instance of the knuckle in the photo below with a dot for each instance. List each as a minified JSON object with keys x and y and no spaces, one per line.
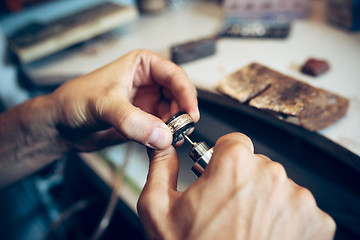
{"x":324,"y":224}
{"x":127,"y":118}
{"x":329,"y":223}
{"x":176,"y":72}
{"x":237,"y":137}
{"x":235,"y":154}
{"x":238,"y":152}
{"x":138,"y":52}
{"x":305,"y":197}
{"x":325,"y":220}
{"x":277,"y":172}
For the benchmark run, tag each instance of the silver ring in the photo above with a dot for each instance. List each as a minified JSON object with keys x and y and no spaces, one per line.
{"x":179,"y":122}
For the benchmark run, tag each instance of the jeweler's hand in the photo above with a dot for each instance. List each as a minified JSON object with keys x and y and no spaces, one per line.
{"x":127,"y":99}
{"x":241,"y":195}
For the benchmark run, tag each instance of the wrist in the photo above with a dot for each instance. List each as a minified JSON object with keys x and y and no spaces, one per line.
{"x":38,"y":124}
{"x":40,"y":142}
{"x":29,"y":140}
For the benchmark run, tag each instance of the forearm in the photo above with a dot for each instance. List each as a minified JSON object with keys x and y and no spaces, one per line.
{"x":29,"y":139}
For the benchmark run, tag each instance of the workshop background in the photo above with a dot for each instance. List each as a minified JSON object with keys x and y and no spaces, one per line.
{"x":44,"y":43}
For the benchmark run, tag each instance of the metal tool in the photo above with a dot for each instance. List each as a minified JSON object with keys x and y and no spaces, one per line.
{"x":181,"y":125}
{"x":201,"y":154}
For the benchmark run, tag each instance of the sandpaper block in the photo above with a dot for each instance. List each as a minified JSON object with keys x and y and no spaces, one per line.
{"x":283,"y":96}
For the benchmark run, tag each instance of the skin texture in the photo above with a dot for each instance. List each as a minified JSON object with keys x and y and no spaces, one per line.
{"x":140,"y":83}
{"x":128,"y":99}
{"x":241,"y":195}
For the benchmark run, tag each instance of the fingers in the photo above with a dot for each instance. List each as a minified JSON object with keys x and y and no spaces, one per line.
{"x":164,"y":167}
{"x":232,"y":154}
{"x":98,"y":140}
{"x":172,"y":77}
{"x":136,"y":124}
{"x":320,"y":225}
{"x":141,"y":70}
{"x":161,"y":183}
{"x":236,"y":138}
{"x":264,"y":184}
{"x":234,"y":160}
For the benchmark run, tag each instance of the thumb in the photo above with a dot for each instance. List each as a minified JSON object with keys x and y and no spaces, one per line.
{"x":164,"y":168}
{"x":161,"y":183}
{"x":138,"y":125}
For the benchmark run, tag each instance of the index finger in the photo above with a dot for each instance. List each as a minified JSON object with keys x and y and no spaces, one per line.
{"x":233,"y":153}
{"x":173,"y":77}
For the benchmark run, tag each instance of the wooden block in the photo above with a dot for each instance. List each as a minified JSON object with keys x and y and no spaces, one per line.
{"x":38,"y":40}
{"x":190,"y":51}
{"x":285,"y":97}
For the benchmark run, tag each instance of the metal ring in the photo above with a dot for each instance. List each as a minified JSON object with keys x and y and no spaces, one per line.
{"x":179,"y":122}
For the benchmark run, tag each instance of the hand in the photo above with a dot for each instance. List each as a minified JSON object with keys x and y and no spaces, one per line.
{"x":241,"y":195}
{"x":127,"y":99}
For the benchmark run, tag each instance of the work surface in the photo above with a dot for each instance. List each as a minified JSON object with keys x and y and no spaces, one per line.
{"x":311,"y":37}
{"x":308,"y":38}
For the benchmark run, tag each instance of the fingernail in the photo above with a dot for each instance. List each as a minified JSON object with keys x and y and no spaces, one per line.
{"x":197,"y":114}
{"x":160,"y":138}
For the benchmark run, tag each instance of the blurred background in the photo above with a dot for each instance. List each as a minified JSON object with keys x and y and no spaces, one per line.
{"x":44,"y":43}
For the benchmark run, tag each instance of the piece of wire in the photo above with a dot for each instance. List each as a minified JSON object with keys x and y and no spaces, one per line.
{"x":118,"y":181}
{"x":67,"y":214}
